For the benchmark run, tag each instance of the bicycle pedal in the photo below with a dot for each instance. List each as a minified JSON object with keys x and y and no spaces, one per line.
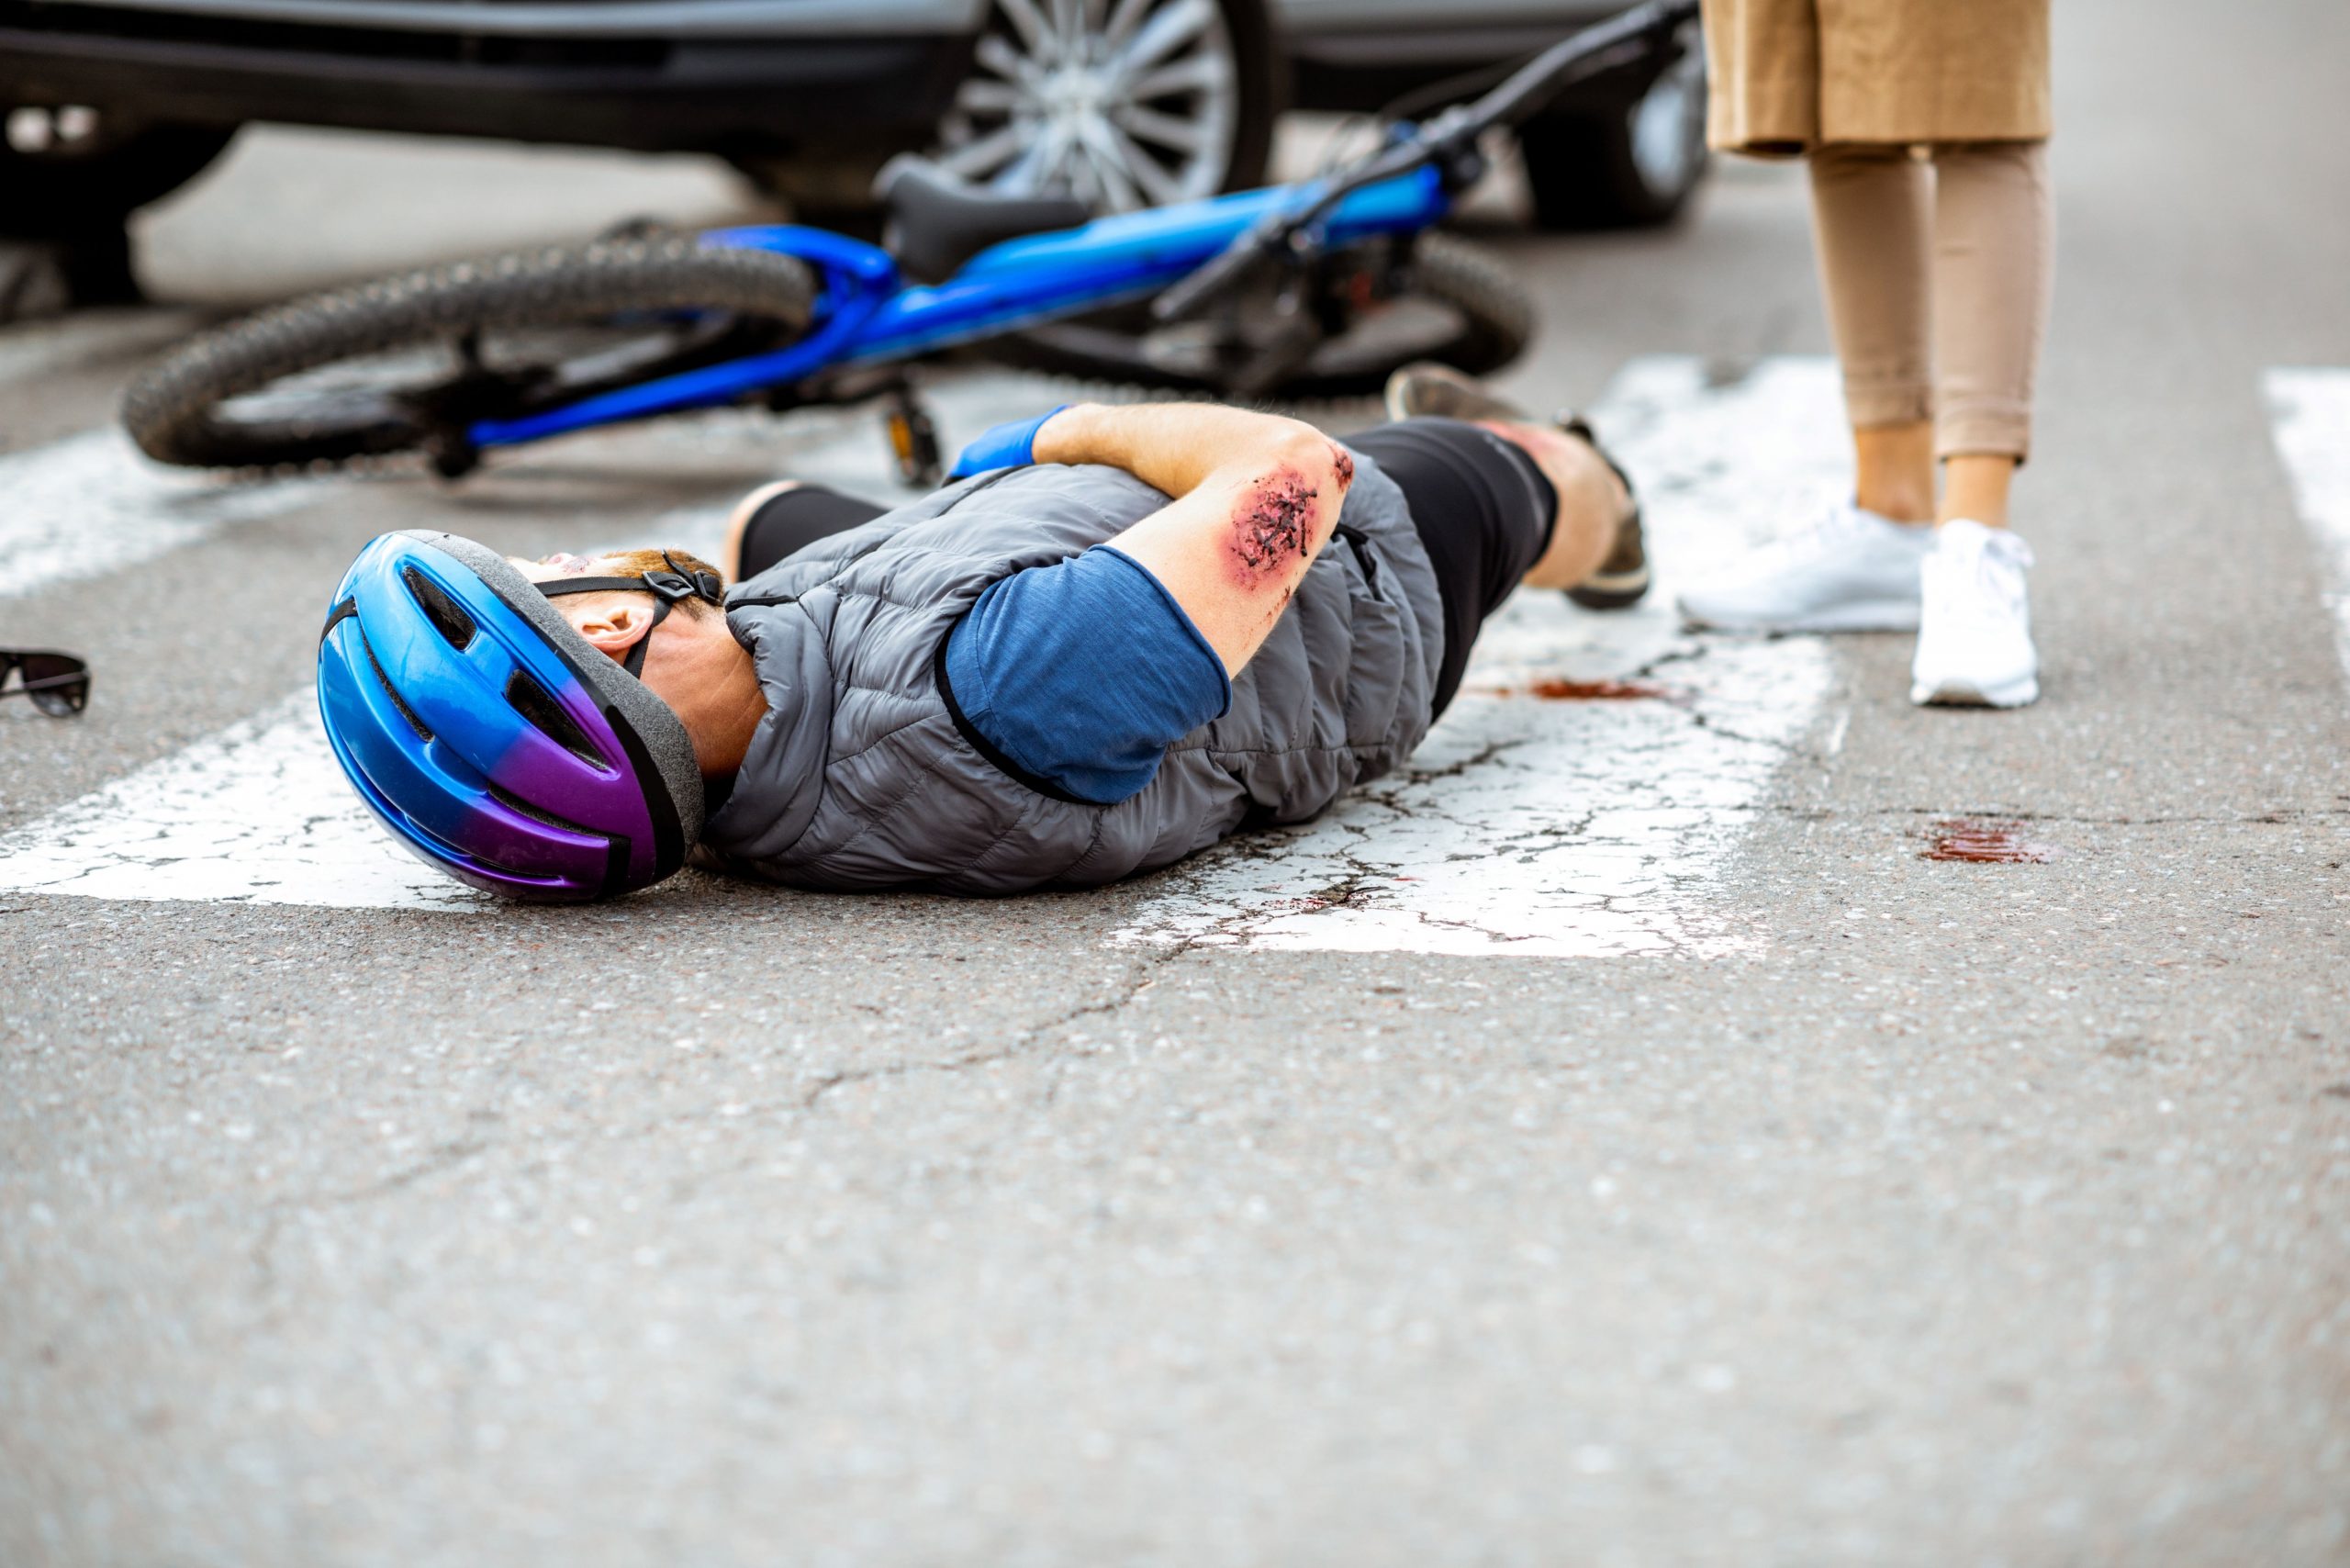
{"x":913,"y":441}
{"x":450,"y":455}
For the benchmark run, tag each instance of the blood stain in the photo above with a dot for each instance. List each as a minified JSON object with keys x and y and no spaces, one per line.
{"x":1984,"y":843}
{"x":1598,"y":692}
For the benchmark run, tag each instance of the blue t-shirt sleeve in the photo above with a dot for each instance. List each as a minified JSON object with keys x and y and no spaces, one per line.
{"x":1081,"y":674}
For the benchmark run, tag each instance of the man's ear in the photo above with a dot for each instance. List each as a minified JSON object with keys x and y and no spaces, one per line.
{"x":616,"y":627}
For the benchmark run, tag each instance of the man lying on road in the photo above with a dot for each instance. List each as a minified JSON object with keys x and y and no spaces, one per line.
{"x":1126,"y":634}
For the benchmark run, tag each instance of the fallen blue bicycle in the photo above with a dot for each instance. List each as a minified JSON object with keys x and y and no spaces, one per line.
{"x":1314,"y":289}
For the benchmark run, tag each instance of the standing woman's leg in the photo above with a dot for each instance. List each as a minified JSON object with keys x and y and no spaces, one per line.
{"x":1872,"y":226}
{"x":1856,"y":568}
{"x":1993,"y":259}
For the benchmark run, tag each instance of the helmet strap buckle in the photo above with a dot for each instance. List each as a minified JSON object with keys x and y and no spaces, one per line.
{"x":668,"y":588}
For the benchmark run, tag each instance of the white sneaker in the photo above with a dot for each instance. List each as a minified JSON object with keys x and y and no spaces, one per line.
{"x":1851,"y":571}
{"x":1974,"y":643}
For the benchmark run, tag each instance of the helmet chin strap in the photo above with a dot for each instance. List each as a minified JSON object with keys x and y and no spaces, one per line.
{"x":667,"y":590}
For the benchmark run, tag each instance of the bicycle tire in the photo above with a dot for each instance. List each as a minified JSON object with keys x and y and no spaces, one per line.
{"x":1496,"y":313}
{"x":172,"y":409}
{"x":1496,"y":316}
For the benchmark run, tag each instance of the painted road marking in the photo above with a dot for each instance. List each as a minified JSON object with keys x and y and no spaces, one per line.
{"x":258,"y":813}
{"x":39,"y":348}
{"x":90,"y":504}
{"x":1574,"y":828}
{"x":1524,"y":826}
{"x":2310,"y":412}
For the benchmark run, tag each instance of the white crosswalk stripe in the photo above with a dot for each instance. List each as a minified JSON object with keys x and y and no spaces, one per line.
{"x":1525,"y":825}
{"x":258,"y":813}
{"x":90,"y":504}
{"x":32,"y":351}
{"x":2310,"y":410}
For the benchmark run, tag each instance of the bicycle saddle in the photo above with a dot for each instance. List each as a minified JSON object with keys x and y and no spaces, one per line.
{"x":937,"y":221}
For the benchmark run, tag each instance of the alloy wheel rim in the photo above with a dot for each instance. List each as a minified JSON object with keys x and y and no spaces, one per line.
{"x":1122,"y":104}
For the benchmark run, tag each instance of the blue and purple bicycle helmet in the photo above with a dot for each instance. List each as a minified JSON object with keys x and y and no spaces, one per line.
{"x":495,"y":741}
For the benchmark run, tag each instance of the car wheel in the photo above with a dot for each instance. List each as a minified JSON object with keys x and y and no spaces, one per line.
{"x":1627,"y":164}
{"x":66,"y":173}
{"x":1122,"y":104}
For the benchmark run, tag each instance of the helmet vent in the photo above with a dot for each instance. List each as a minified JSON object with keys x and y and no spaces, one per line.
{"x":448,"y":617}
{"x":393,"y":692}
{"x":522,"y":807}
{"x":546,"y":715}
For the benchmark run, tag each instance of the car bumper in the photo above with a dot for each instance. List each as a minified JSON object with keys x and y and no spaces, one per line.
{"x":612,"y":78}
{"x":1356,"y":68}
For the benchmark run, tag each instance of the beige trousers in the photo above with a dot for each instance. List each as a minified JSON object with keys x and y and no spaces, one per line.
{"x":1937,"y":271}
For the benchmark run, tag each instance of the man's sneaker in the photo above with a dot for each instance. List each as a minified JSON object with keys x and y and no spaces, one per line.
{"x":1975,"y":646}
{"x":1430,"y":391}
{"x":1850,"y":571}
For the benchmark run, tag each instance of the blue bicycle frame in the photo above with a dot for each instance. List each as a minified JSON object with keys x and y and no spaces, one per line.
{"x":868,"y":315}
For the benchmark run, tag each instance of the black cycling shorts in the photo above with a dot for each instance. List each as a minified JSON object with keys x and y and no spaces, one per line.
{"x":1483,"y":509}
{"x":1483,"y":512}
{"x":787,"y":524}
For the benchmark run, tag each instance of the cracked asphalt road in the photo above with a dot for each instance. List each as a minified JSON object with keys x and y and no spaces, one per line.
{"x":1963,"y":1214}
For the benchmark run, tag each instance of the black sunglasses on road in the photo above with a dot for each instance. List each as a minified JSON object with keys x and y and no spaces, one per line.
{"x":59,"y":684}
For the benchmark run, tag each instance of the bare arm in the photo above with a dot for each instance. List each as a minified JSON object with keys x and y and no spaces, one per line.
{"x":1255,"y":498}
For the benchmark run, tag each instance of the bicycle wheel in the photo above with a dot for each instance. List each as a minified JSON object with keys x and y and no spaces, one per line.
{"x":1459,"y":304}
{"x":410,"y":362}
{"x":1492,"y":319}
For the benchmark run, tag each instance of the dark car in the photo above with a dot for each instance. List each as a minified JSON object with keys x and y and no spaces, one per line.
{"x":110,"y":103}
{"x":1627,"y":149}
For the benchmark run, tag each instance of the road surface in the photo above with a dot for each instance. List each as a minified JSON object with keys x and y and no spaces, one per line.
{"x":1611,"y":1141}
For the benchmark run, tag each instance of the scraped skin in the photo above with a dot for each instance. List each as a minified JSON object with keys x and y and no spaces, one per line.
{"x":1255,"y":497}
{"x":1275,"y":521}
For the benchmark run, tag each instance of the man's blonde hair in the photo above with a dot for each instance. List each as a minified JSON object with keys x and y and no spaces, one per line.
{"x":636,"y":563}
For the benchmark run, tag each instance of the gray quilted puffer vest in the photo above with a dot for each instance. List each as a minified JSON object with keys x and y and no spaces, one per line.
{"x":862,"y":775}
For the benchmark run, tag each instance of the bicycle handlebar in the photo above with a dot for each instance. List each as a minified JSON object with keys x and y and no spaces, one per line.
{"x":1450,"y":138}
{"x":1597,"y":49}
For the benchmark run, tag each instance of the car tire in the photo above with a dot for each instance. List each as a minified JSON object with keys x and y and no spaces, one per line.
{"x":1628,"y":165}
{"x":71,"y":194}
{"x":1231,"y":43}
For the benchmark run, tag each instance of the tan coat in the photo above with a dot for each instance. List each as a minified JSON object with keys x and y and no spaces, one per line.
{"x":1789,"y":74}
